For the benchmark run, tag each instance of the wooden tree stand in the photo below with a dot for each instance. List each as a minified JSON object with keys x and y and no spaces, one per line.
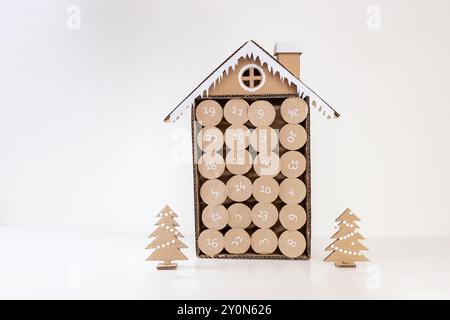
{"x":166,"y":265}
{"x":345,"y":265}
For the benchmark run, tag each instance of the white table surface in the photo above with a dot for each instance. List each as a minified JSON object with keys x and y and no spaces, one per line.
{"x":45,"y":264}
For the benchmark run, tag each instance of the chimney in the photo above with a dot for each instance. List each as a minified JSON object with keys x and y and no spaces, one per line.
{"x":288,"y":54}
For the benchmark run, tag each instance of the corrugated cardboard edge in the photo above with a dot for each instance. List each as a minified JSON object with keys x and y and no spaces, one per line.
{"x":197,"y":214}
{"x":195,"y":180}
{"x":308,"y":182}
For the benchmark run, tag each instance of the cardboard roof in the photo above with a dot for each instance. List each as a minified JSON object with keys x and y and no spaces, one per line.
{"x":251,"y":49}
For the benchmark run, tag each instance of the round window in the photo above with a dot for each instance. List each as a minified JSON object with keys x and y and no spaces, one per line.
{"x":251,"y":77}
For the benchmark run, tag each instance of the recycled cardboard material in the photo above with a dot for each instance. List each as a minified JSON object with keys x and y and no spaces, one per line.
{"x":293,"y":136}
{"x":236,"y":111}
{"x":239,"y":188}
{"x":244,"y":221}
{"x":293,"y":164}
{"x":166,"y":244}
{"x":237,"y":241}
{"x":211,"y":166}
{"x":267,"y":164}
{"x":239,"y":161}
{"x":210,"y":242}
{"x":292,"y":216}
{"x":240,"y":216}
{"x":249,"y":226}
{"x":209,"y":113}
{"x":272,"y":83}
{"x":223,"y":81}
{"x":288,"y":53}
{"x":252,"y":80}
{"x":265,"y":189}
{"x":292,"y":191}
{"x":261,"y":113}
{"x":215,"y":217}
{"x":213,"y":192}
{"x":210,"y":139}
{"x":294,"y":110}
{"x":292,"y":243}
{"x":264,"y":215}
{"x":264,"y":241}
{"x":237,"y":137}
{"x":291,"y":61}
{"x":264,"y":139}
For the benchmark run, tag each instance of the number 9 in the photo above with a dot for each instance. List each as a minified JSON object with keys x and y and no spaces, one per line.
{"x":260,"y":113}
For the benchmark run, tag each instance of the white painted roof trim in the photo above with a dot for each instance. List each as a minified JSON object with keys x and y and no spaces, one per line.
{"x":251,"y":50}
{"x":288,"y":47}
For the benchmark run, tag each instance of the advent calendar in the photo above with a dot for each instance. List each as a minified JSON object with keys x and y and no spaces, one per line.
{"x":251,"y":155}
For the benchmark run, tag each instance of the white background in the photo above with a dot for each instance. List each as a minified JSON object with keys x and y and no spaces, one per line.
{"x":83,"y":145}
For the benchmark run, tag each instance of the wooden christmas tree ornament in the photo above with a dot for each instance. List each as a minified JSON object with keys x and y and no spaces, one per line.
{"x":346,"y":248}
{"x":166,"y":244}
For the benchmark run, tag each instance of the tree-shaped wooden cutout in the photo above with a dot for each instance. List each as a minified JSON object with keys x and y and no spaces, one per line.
{"x":166,"y":244}
{"x":346,"y":248}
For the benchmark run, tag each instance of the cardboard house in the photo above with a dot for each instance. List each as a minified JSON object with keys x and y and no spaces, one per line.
{"x":251,"y":152}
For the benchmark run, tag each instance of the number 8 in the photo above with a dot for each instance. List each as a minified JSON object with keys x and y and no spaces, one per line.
{"x":291,"y":243}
